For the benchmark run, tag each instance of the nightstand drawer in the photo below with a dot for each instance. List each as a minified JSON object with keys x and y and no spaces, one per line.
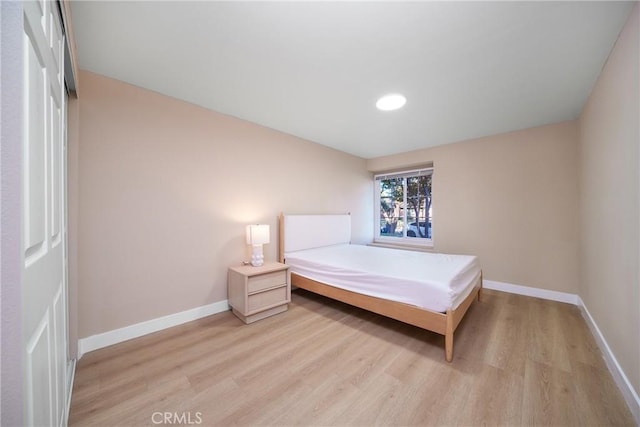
{"x":267,"y":298}
{"x":266,"y":281}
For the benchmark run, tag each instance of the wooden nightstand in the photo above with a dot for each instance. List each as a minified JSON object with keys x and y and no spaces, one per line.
{"x":259,"y":292}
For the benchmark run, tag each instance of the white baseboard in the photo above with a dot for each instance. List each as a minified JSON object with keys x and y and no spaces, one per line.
{"x":531,"y":292}
{"x":623,"y":383}
{"x":116,"y":336}
{"x":621,"y":380}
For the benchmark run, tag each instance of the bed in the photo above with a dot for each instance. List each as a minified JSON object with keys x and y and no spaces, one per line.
{"x":385,"y":281}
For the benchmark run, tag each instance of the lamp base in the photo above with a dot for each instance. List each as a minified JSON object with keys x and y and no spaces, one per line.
{"x":257,"y":257}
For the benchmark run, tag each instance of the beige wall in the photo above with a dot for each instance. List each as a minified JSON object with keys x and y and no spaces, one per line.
{"x":166,"y":189}
{"x":610,"y":135}
{"x":511,"y":199}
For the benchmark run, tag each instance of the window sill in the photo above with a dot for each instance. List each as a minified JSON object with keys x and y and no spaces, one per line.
{"x":405,"y":246}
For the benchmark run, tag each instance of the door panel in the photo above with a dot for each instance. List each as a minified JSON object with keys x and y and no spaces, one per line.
{"x":60,"y":352}
{"x":34,"y":233}
{"x":39,"y":394}
{"x":55,"y":166}
{"x":44,"y":287}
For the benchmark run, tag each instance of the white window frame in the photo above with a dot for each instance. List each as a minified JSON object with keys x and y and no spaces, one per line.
{"x":404,"y":241}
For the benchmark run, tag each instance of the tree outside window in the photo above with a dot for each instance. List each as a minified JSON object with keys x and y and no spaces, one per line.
{"x":405,"y":203}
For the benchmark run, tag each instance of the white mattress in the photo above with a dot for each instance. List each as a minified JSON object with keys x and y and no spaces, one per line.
{"x":433,"y":281}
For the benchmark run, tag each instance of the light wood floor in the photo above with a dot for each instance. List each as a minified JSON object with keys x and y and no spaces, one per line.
{"x":517,"y":361}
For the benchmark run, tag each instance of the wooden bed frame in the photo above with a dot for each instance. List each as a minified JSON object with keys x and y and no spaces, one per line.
{"x":441,"y":323}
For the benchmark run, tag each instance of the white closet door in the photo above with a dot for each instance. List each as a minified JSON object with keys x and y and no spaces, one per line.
{"x":43,"y":235}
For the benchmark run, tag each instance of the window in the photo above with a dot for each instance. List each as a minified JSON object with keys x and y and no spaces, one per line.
{"x":404,"y":202}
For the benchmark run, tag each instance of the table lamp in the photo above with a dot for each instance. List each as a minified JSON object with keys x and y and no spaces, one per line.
{"x":257,"y":235}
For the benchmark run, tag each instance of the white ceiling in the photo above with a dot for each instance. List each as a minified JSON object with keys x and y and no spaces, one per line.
{"x":316,"y":69}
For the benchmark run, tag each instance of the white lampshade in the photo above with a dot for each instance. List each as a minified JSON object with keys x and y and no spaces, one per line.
{"x":257,"y":234}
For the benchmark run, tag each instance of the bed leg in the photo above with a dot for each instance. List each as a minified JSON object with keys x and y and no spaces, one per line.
{"x":448,"y":338}
{"x":480,"y":290}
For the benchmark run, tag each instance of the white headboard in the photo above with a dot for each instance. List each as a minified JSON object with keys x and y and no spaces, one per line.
{"x":298,"y":232}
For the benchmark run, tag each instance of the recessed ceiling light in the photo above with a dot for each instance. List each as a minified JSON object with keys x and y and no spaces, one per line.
{"x":391,"y":102}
